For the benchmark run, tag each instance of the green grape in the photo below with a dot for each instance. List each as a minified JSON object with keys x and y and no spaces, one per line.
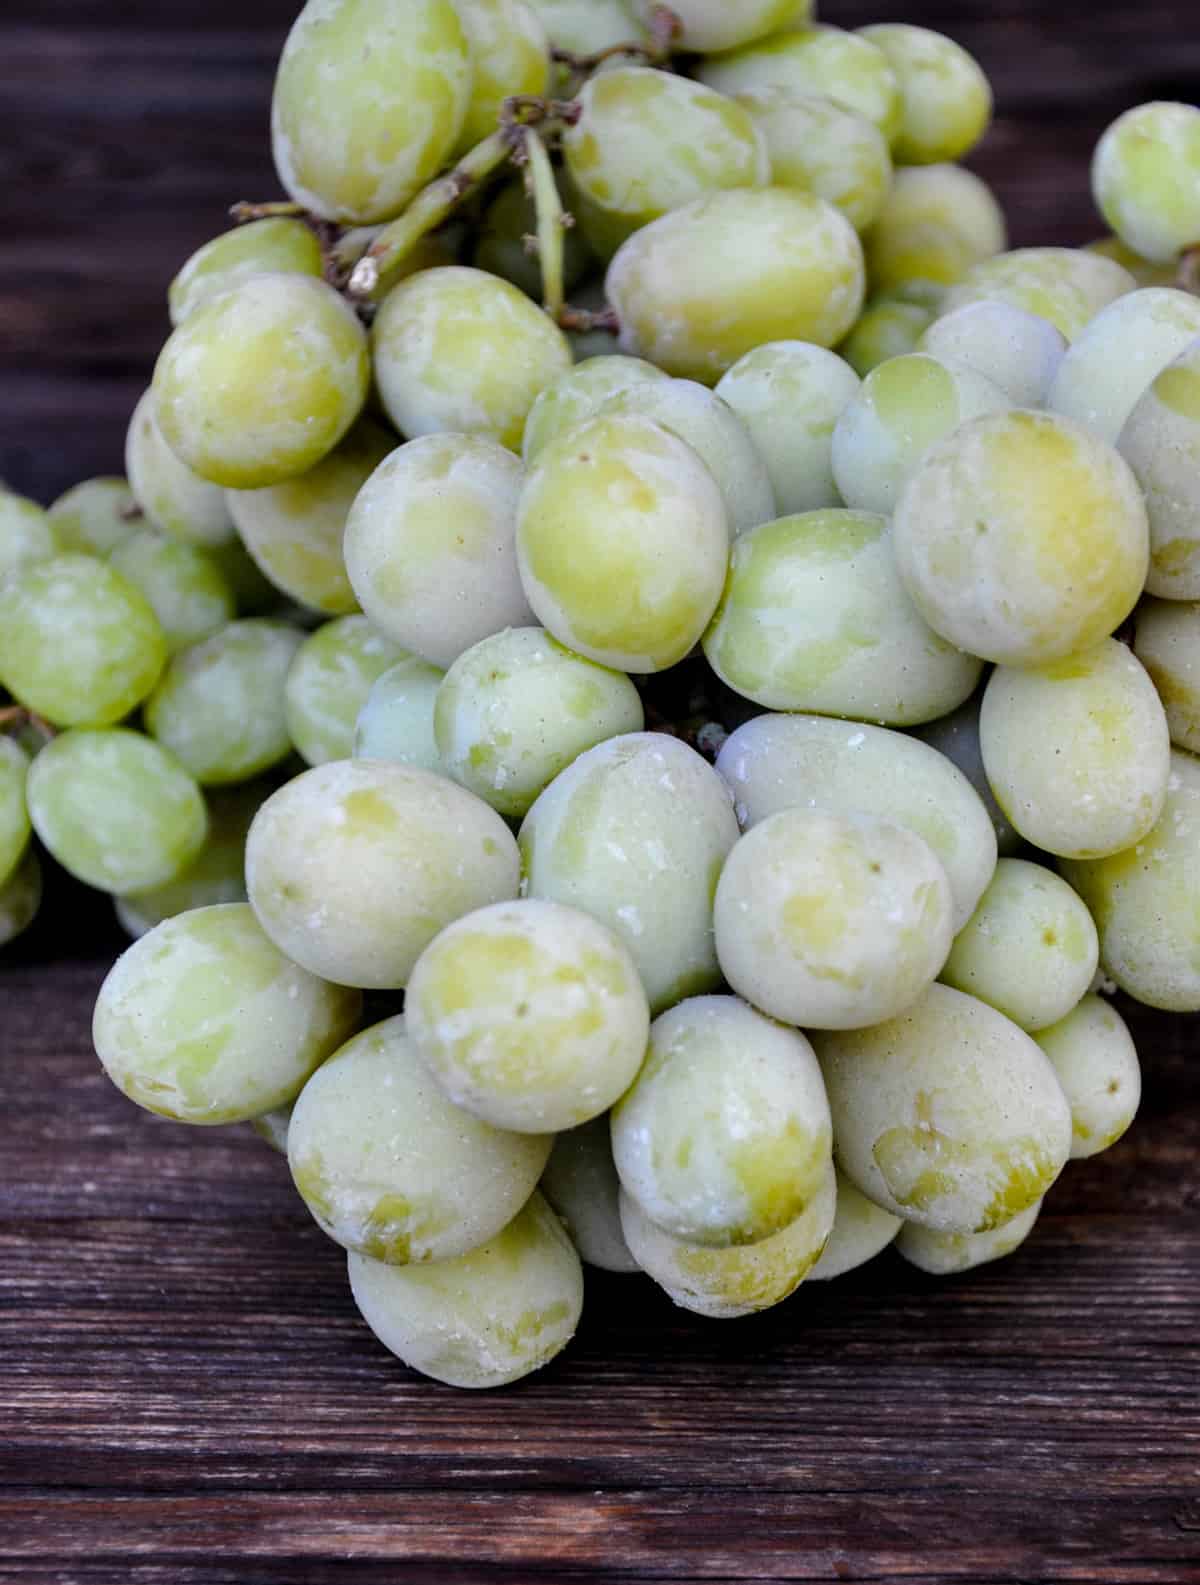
{"x":516,"y":709}
{"x":946,"y":101}
{"x":355,"y":866}
{"x":1120,"y":354}
{"x":510,"y":54}
{"x":946,"y":1254}
{"x":14,"y":815}
{"x":79,"y":644}
{"x":949,"y":1116}
{"x":903,"y":408}
{"x":1143,"y":900}
{"x":177,"y":501}
{"x":789,"y":395}
{"x":459,"y":350}
{"x":804,"y":761}
{"x":500,"y":246}
{"x":327,"y":685}
{"x":832,"y":921}
{"x":821,"y":148}
{"x":430,"y":545}
{"x":699,"y":288}
{"x":1161,"y":443}
{"x":396,"y":720}
{"x":1017,"y":351}
{"x":622,"y":542}
{"x":390,"y":1168}
{"x":635,"y":833}
{"x":740,"y":1280}
{"x":814,"y":617}
{"x":272,"y":1128}
{"x":1030,"y":949}
{"x":185,"y":588}
{"x":220,"y":704}
{"x":262,"y":381}
{"x":1022,"y":538}
{"x":253,"y":594}
{"x":1146,"y":178}
{"x":294,"y":530}
{"x":1092,"y":1052}
{"x":1077,"y":752}
{"x":707,"y":26}
{"x":26,"y":533}
{"x":204,"y":1021}
{"x":1167,"y":643}
{"x":487,"y":1318}
{"x":20,"y":898}
{"x":581,"y":1183}
{"x":699,"y":142}
{"x":579,"y":394}
{"x":369,"y":102}
{"x":1067,"y":286}
{"x":1144,"y":272}
{"x":276,"y":246}
{"x":115,"y":809}
{"x":937,"y":224}
{"x":93,"y":517}
{"x":861,"y":1230}
{"x":957,"y":737}
{"x":586,"y":27}
{"x":725,"y":1136}
{"x":887,"y":328}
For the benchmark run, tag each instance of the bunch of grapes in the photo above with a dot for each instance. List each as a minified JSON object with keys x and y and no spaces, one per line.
{"x":748,"y":711}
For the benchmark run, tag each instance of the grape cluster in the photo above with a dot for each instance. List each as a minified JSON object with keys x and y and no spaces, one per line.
{"x":749,"y":711}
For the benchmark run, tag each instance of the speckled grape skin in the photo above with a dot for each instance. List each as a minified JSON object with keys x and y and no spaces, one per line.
{"x":742,"y":1279}
{"x":177,"y":501}
{"x":581,"y":1183}
{"x":458,"y":350}
{"x":1018,"y":351}
{"x":1092,"y":1052}
{"x":814,"y":617}
{"x":1167,"y":642}
{"x":390,"y":1168}
{"x":708,"y":26}
{"x":1067,"y":286}
{"x":800,"y":761}
{"x":115,"y":809}
{"x":1161,"y":443}
{"x":699,"y":288}
{"x":186,"y":589}
{"x":510,"y":54}
{"x":369,"y":102}
{"x":277,"y":245}
{"x":947,"y":1254}
{"x":262,"y":381}
{"x":946,"y":101}
{"x":949,"y":1116}
{"x":861,"y":1230}
{"x":272,"y":1128}
{"x":430,"y":545}
{"x":14,"y":816}
{"x":396,"y":721}
{"x":938,"y":222}
{"x":888,"y":327}
{"x":821,"y":148}
{"x":25,"y":533}
{"x":1077,"y":753}
{"x":487,"y":1318}
{"x":517,"y":708}
{"x":579,"y":394}
{"x":1022,"y":538}
{"x":956,"y":736}
{"x":1146,"y":178}
{"x":204,"y":1021}
{"x":20,"y":898}
{"x":635,"y":832}
{"x":355,"y":866}
{"x":93,"y":517}
{"x":328,"y":681}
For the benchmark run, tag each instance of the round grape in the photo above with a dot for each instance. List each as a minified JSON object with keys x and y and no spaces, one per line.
{"x":946,"y":101}
{"x":177,"y":501}
{"x":946,"y":1254}
{"x":937,"y":224}
{"x":708,"y":26}
{"x":510,"y":54}
{"x":20,"y":898}
{"x":861,"y":1230}
{"x":1146,"y":178}
{"x":185,"y":588}
{"x":94,"y":517}
{"x":275,"y":246}
{"x":1092,"y":1052}
{"x":1067,"y":286}
{"x":579,"y":395}
{"x":396,"y":721}
{"x":956,"y":736}
{"x":1144,"y":272}
{"x":1167,"y":643}
{"x":328,"y":682}
{"x":587,"y":27}
{"x":821,"y":148}
{"x":14,"y":815}
{"x":1161,"y":442}
{"x":1017,"y":351}
{"x":888,"y":327}
{"x":26,"y":534}
{"x":581,"y":1183}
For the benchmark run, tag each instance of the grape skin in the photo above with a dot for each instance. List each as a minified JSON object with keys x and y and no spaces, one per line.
{"x":937,"y":224}
{"x":956,"y":736}
{"x":1167,"y":642}
{"x":328,"y":682}
{"x":276,"y":245}
{"x":1146,"y":178}
{"x":581,"y":1184}
{"x":1016,"y":350}
{"x":946,"y":101}
{"x":1161,"y":442}
{"x":396,"y":721}
{"x":510,"y":54}
{"x":185,"y":588}
{"x":710,"y":26}
{"x":944,"y":1254}
{"x":177,"y":501}
{"x":821,"y":148}
{"x":888,"y":327}
{"x":579,"y":394}
{"x":26,"y":534}
{"x":1092,"y":1052}
{"x":861,"y":1230}
{"x":14,"y":815}
{"x":92,"y":518}
{"x":1067,"y":286}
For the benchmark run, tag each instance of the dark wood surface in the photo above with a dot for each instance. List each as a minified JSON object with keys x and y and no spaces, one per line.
{"x":186,"y":1394}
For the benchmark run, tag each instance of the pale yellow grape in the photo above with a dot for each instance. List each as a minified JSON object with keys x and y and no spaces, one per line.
{"x":517,"y":708}
{"x":822,"y":148}
{"x":459,"y":350}
{"x":1143,"y":900}
{"x":501,"y":248}
{"x":585,"y":27}
{"x":93,"y":517}
{"x":204,"y":1021}
{"x":79,"y":644}
{"x":946,"y":100}
{"x":622,"y":542}
{"x":949,"y":1116}
{"x":648,"y":141}
{"x":14,"y":816}
{"x":861,"y":1230}
{"x":1144,"y":272}
{"x":581,"y":1183}
{"x":262,"y":381}
{"x":430,"y":545}
{"x":904,"y":407}
{"x":328,"y":681}
{"x":802,"y":761}
{"x":946,"y":1254}
{"x":20,"y":898}
{"x":486,"y":1318}
{"x":1161,"y":442}
{"x":789,"y":395}
{"x":1167,"y":642}
{"x":1077,"y":752}
{"x":738,"y":1280}
{"x":814,"y":617}
{"x":1067,"y":286}
{"x":937,"y":224}
{"x":711,"y":25}
{"x":396,"y":720}
{"x":26,"y":534}
{"x":699,"y":288}
{"x":957,"y":737}
{"x":369,"y":102}
{"x":1022,"y":538}
{"x":579,"y":394}
{"x":115,"y":809}
{"x":220,"y":704}
{"x":1092,"y":1052}
{"x":177,"y":501}
{"x":277,"y":245}
{"x":272,"y":1128}
{"x":1146,"y":178}
{"x":887,"y":328}
{"x":510,"y":54}
{"x":354,"y":867}
{"x":635,"y":833}
{"x":294,"y":530}
{"x":1016,"y":350}
{"x":186,"y":589}
{"x":390,"y":1168}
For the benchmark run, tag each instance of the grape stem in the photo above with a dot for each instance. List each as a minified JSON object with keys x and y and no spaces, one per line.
{"x":14,"y":716}
{"x":552,"y":219}
{"x":587,"y":319}
{"x":243,"y":213}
